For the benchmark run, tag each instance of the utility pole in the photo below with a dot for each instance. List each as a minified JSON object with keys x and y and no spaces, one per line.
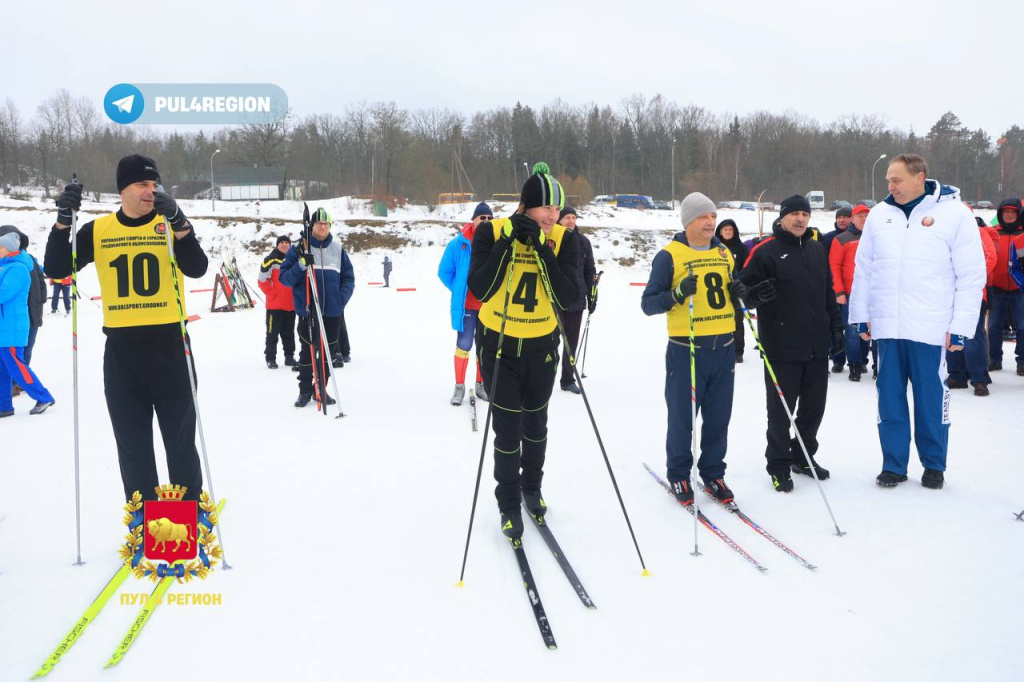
{"x":213,"y":201}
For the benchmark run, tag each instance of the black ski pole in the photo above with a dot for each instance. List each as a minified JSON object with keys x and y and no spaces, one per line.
{"x":490,"y":407}
{"x":593,"y":422}
{"x":586,"y":330}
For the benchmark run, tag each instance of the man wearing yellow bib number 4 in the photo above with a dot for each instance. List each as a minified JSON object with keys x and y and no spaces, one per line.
{"x":697,"y":265}
{"x":144,"y":368}
{"x":505,"y":275}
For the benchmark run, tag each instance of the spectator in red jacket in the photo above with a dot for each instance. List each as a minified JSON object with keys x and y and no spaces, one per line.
{"x":972,"y":364}
{"x":1004,"y":296}
{"x":280,"y":307}
{"x":841,"y":257}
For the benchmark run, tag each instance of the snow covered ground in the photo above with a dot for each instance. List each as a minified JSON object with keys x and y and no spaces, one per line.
{"x":346,"y":536}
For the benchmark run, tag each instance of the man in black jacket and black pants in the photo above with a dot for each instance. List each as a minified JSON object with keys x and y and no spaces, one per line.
{"x":572,"y":318}
{"x":799,"y":330}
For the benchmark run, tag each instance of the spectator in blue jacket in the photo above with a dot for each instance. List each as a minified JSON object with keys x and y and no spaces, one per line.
{"x":15,"y":280}
{"x":465,"y":308}
{"x":335,"y":281}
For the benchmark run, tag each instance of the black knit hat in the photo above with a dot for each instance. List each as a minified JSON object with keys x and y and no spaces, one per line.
{"x":793,"y":204}
{"x":844,"y":211}
{"x":283,"y":238}
{"x":567,"y":210}
{"x":542,"y":189}
{"x":136,"y":168}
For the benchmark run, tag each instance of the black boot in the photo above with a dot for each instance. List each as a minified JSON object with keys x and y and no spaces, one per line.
{"x":571,"y":387}
{"x":271,"y":363}
{"x":889,"y":479}
{"x":534,"y":502}
{"x":719,"y":490}
{"x":855,"y":372}
{"x":289,"y":361}
{"x":782,"y":482}
{"x":933,"y":479}
{"x":801,"y":467}
{"x":303,"y":399}
{"x":683,"y":492}
{"x":512,"y":522}
{"x":837,"y":367}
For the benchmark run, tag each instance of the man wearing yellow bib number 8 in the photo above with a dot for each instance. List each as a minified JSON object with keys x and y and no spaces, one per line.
{"x":697,"y":265}
{"x":143,"y":367}
{"x":505,"y":275}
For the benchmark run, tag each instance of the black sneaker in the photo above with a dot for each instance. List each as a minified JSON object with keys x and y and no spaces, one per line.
{"x":874,"y":371}
{"x":932,"y":479}
{"x":337,"y":361}
{"x":783,"y":482}
{"x":955,"y":383}
{"x":512,"y":523}
{"x":888,"y":479}
{"x":346,"y":359}
{"x":855,"y":372}
{"x":981,"y":389}
{"x":571,"y":387}
{"x":995,"y":365}
{"x":534,"y":502}
{"x":802,"y":468}
{"x":739,"y":358}
{"x":683,"y":492}
{"x":303,"y":399}
{"x":6,"y":413}
{"x":41,"y":406}
{"x":271,"y":364}
{"x":837,"y":367}
{"x":289,"y":361}
{"x":1020,"y":369}
{"x":719,"y":490}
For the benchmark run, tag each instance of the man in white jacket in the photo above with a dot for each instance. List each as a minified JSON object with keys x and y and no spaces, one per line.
{"x":917,"y":286}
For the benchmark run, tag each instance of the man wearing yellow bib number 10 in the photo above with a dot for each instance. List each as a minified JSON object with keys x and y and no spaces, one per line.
{"x":697,"y":265}
{"x":504,"y":274}
{"x":143,"y":364}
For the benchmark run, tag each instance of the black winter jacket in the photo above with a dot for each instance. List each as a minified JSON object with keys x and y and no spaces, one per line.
{"x":795,"y":326}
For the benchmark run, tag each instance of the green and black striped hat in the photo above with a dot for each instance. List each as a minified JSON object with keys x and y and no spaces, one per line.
{"x":320,"y":216}
{"x":542,"y":189}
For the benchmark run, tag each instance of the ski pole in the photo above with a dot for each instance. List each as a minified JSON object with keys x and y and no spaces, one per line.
{"x":74,"y":373}
{"x":586,"y":401}
{"x":491,"y":397}
{"x":192,"y":375}
{"x":586,"y":331}
{"x":319,"y":385}
{"x":789,"y":413}
{"x":693,"y":422}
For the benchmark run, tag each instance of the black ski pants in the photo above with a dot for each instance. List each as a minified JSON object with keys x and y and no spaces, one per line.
{"x":280,"y":323}
{"x":519,"y":414}
{"x":805,"y":385}
{"x":340,"y":343}
{"x":138,"y":379}
{"x":306,"y":360}
{"x":571,"y":321}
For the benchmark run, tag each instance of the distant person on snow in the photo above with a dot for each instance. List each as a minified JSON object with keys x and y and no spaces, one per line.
{"x":335,"y":283}
{"x":36,"y":297}
{"x":696,"y":269}
{"x":387,"y":271}
{"x":504,"y":269}
{"x":799,"y":330}
{"x":465,"y":307}
{"x":144,"y":366}
{"x":729,"y":234}
{"x":842,"y":262}
{"x":971,"y":365}
{"x":572,"y":318}
{"x":843,"y":218}
{"x":16,"y":268}
{"x":61,"y":288}
{"x":920,"y":271}
{"x":1005,"y":298}
{"x":280,"y":306}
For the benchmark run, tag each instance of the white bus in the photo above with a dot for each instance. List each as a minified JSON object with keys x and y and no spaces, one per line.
{"x":817,"y":199}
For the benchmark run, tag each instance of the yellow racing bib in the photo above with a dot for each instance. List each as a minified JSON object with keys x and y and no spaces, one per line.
{"x":530,"y":312}
{"x":134,"y":268}
{"x":713,"y":311}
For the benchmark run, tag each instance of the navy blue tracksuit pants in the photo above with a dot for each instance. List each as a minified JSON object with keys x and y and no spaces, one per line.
{"x":715,"y":360}
{"x":924,"y":365}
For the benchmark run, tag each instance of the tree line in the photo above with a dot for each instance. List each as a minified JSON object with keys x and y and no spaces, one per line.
{"x":642,"y":145}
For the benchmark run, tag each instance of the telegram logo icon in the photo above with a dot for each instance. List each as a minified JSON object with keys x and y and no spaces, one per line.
{"x":124,"y":103}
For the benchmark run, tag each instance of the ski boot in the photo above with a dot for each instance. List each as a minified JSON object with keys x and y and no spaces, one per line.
{"x":801,"y":467}
{"x":719,"y":490}
{"x":303,"y":399}
{"x":459,"y":395}
{"x":782,"y":482}
{"x":42,"y":405}
{"x":512,"y":523}
{"x":683,"y":492}
{"x":932,"y":479}
{"x":534,"y":502}
{"x":271,"y":363}
{"x":481,"y":392}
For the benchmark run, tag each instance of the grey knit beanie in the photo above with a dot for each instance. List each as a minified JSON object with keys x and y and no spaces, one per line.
{"x":696,"y":204}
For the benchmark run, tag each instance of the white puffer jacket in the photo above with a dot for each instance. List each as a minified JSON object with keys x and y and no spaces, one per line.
{"x":920,"y":278}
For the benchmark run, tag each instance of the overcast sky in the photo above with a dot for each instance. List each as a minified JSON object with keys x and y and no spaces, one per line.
{"x":908,"y":61}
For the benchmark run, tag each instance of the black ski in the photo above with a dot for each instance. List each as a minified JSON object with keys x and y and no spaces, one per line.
{"x":533,"y":595}
{"x":734,"y":508}
{"x":545,"y":531}
{"x":472,"y":408}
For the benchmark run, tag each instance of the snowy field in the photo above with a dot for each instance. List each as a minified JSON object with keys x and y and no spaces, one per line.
{"x":346,"y":536}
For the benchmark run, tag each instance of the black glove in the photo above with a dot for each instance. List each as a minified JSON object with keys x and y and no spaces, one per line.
{"x":737,"y":290}
{"x":838,"y":341}
{"x":69,"y":200}
{"x":762,"y":292}
{"x":592,"y":300}
{"x":168,"y":207}
{"x":526,"y":229}
{"x":687,"y":287}
{"x":305,"y":257}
